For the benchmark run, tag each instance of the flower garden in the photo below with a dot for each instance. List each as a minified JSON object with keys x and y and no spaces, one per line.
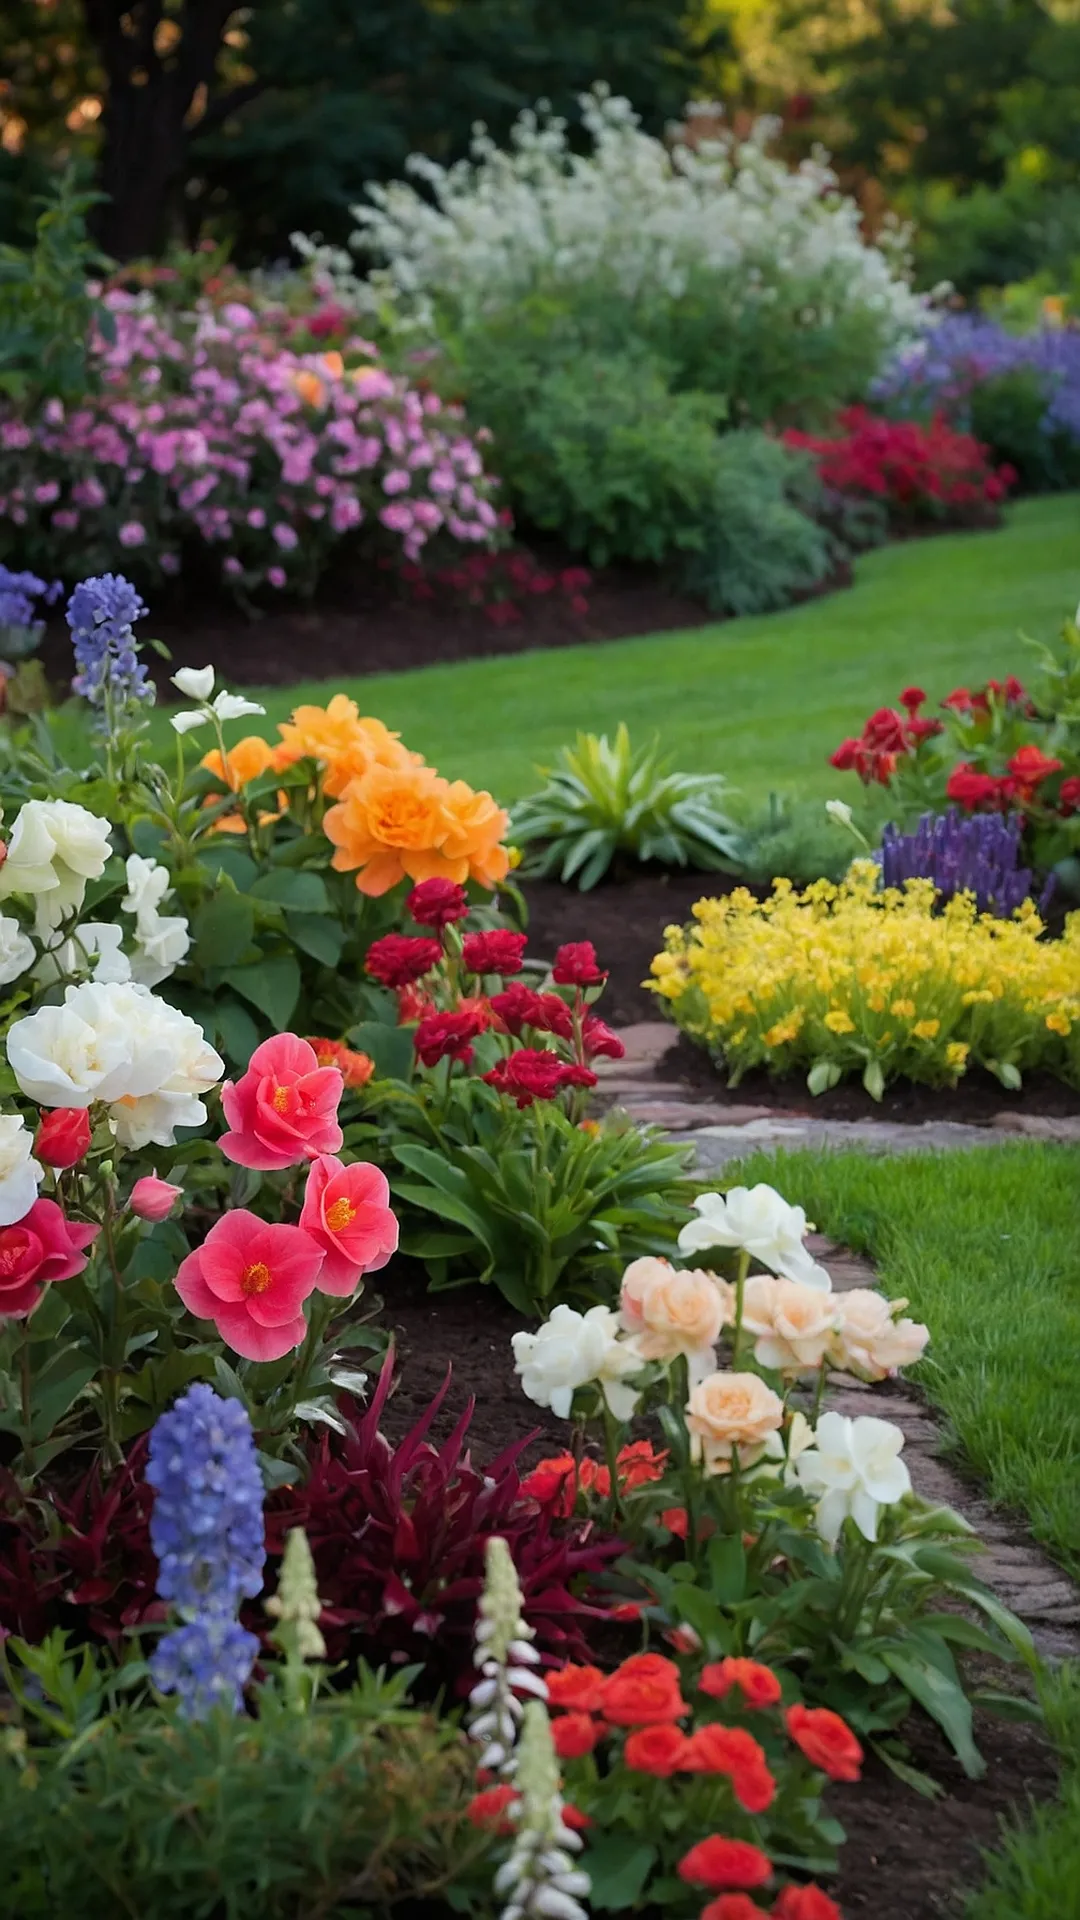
{"x":424,"y":1487}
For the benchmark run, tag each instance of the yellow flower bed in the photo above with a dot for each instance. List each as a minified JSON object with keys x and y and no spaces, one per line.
{"x":845,"y":979}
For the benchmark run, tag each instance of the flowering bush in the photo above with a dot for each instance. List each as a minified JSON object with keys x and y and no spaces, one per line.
{"x":917,"y":473}
{"x":859,"y":979}
{"x":211,"y":430}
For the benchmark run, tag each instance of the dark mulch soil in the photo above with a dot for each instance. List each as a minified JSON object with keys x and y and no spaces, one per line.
{"x":906,"y":1858}
{"x":625,"y":919}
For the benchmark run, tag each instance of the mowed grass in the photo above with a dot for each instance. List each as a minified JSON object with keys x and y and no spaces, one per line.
{"x":986,"y":1247}
{"x":1035,"y":1875}
{"x":762,"y":700}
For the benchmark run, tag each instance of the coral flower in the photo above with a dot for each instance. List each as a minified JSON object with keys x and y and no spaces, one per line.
{"x":575,"y":1734}
{"x":251,"y":1280}
{"x":643,"y":1691}
{"x":757,"y":1684}
{"x":43,"y":1246}
{"x":805,"y":1903}
{"x":578,"y":1689}
{"x":356,"y":1069}
{"x":734,"y":1752}
{"x":283,"y":1110}
{"x":826,"y":1740}
{"x":347,"y":1213}
{"x":659,"y":1750}
{"x":246,"y":761}
{"x":719,"y":1863}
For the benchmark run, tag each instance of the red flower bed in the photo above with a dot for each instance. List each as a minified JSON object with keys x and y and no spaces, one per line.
{"x":917,"y":472}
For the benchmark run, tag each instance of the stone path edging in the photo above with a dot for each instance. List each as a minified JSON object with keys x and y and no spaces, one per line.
{"x":1020,"y":1573}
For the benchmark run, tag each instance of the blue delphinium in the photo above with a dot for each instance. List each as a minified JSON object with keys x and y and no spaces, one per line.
{"x":207,"y":1531}
{"x":20,"y":627}
{"x":977,"y":853}
{"x":945,"y":364}
{"x":101,"y":614}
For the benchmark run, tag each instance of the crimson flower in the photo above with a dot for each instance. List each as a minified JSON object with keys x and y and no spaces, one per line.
{"x":400,"y":959}
{"x":975,"y":791}
{"x":1069,"y":796}
{"x":520,"y":1006}
{"x":41,"y":1247}
{"x":435,"y":903}
{"x":449,"y":1036}
{"x":598,"y":1039}
{"x":495,"y":952}
{"x":575,"y":966}
{"x":534,"y":1074}
{"x":1030,"y":766}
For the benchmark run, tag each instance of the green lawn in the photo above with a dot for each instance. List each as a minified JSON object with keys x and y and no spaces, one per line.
{"x":986,"y":1246}
{"x":763,"y":700}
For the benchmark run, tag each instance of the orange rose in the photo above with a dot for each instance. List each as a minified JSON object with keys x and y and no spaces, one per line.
{"x":638,"y":1465}
{"x":477,"y":829}
{"x":643,"y":1692}
{"x":245,"y":762}
{"x":391,"y":824}
{"x":658,"y":1750}
{"x":356,"y":1069}
{"x":728,"y":1412}
{"x":734,"y":1752}
{"x":826,"y":1740}
{"x":578,"y":1689}
{"x":344,"y":744}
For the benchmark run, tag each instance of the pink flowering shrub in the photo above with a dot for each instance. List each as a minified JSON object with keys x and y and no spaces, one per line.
{"x":209,"y":429}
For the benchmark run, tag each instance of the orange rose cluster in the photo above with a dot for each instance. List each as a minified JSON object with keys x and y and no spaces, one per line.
{"x":393,"y":817}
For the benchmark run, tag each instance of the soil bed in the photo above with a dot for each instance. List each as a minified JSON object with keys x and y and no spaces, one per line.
{"x":906,"y":1858}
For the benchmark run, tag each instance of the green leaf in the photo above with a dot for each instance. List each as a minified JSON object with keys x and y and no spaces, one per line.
{"x":236,"y":1030}
{"x":727,"y":1569}
{"x":618,"y":1871}
{"x":944,"y":1700}
{"x":57,"y":1390}
{"x":233,"y":861}
{"x":448,"y":1207}
{"x":391,"y":1048}
{"x":873,"y":1079}
{"x":303,"y":892}
{"x":823,"y":1075}
{"x":222,"y":928}
{"x":272,"y":985}
{"x":316,"y":934}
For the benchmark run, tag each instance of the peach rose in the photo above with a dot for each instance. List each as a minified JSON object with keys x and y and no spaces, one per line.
{"x":673,"y":1310}
{"x":870,"y":1340}
{"x":792,"y":1325}
{"x":729,"y":1411}
{"x":477,"y":828}
{"x":391,"y":823}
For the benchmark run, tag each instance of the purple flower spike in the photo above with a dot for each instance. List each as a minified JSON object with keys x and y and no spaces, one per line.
{"x":960,"y":853}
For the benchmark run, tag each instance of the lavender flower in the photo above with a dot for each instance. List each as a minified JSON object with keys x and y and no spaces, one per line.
{"x":20,"y":628}
{"x":207,"y":1661}
{"x":207,"y":1524}
{"x":100,"y":613}
{"x":944,"y":366}
{"x":963,"y":854}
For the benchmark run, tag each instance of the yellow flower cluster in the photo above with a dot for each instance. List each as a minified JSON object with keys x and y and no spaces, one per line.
{"x":852,"y":978}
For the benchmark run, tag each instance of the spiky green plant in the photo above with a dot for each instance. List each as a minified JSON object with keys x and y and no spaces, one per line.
{"x":605,"y":799}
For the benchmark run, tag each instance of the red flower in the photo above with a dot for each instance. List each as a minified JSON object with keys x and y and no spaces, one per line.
{"x":884,"y":732}
{"x":554,"y":1483}
{"x":490,"y":1809}
{"x":920,"y":730}
{"x":435,"y":903}
{"x":448,"y":1036}
{"x":520,"y":1006}
{"x":826,"y":1740}
{"x":1069,"y":796}
{"x":534,"y":1074}
{"x":912,"y":698}
{"x":347,"y":1213}
{"x":847,"y":756}
{"x":973,"y":790}
{"x":41,"y":1247}
{"x":1030,"y":767}
{"x":960,"y":700}
{"x":251,"y":1280}
{"x":758,"y":1685}
{"x":578,"y":1689}
{"x":575,"y":1734}
{"x":412,"y":1005}
{"x":676,"y":1520}
{"x":638,"y":1464}
{"x":283,"y":1110}
{"x":732,"y":1906}
{"x":400,"y":959}
{"x":659,"y":1750}
{"x":643,"y":1691}
{"x":63,"y":1137}
{"x":734,"y":1752}
{"x":598,"y":1039}
{"x":575,"y":966}
{"x":573,"y":1818}
{"x":805,"y":1903}
{"x":497,"y":952}
{"x":719,"y":1863}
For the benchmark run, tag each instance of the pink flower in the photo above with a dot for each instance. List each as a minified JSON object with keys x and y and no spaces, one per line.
{"x":152,"y":1199}
{"x":276,"y":576}
{"x":284,"y":1109}
{"x":285,"y":536}
{"x":43,"y":1246}
{"x":46,"y":493}
{"x":251,"y":1280}
{"x":347,"y":1213}
{"x":256,"y":517}
{"x":132,"y":533}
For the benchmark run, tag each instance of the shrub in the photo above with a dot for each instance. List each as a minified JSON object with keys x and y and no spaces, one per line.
{"x":208,"y":431}
{"x":796,"y":838}
{"x":918,"y":472}
{"x":851,"y":979}
{"x":760,"y":545}
{"x":47,"y":310}
{"x":606,"y":801}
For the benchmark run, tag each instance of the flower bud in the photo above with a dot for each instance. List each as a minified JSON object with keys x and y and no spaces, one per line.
{"x":63,"y":1137}
{"x":152,"y":1199}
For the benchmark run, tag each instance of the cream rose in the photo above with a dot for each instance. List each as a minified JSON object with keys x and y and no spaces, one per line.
{"x":56,"y":846}
{"x":729,"y":1411}
{"x":674,"y":1310}
{"x":20,"y":1173}
{"x":870,"y":1340}
{"x":791,"y":1325}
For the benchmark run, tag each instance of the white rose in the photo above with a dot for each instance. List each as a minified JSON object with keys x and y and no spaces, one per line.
{"x":139,"y":1119}
{"x":854,"y":1467}
{"x":20,"y":1175}
{"x":115,"y":1042}
{"x":93,"y":947}
{"x":56,"y":846}
{"x":16,"y":950}
{"x":163,"y":942}
{"x":195,"y":683}
{"x":571,"y":1350}
{"x":148,"y":884}
{"x":761,"y":1222}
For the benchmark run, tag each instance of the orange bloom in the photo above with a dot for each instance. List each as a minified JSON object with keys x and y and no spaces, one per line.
{"x":758,"y":1685}
{"x":477,"y":829}
{"x":310,"y":388}
{"x":356,"y":1069}
{"x":734,"y":1752}
{"x":659,"y":1750}
{"x":334,"y":364}
{"x":643,"y":1692}
{"x":574,"y":1734}
{"x":826,"y":1740}
{"x":638,"y":1465}
{"x":403,"y":822}
{"x":250,"y":758}
{"x":579,"y":1689}
{"x":345,"y":744}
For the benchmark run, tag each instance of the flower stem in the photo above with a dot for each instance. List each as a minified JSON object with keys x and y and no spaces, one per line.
{"x":740,"y":1292}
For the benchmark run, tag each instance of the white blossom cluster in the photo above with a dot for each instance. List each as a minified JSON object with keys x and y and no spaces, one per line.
{"x":646,"y":217}
{"x":507,"y":1661}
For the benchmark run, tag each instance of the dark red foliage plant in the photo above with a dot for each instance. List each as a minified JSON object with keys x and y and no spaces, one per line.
{"x":398,"y":1535}
{"x":917,"y":471}
{"x":79,"y":1559}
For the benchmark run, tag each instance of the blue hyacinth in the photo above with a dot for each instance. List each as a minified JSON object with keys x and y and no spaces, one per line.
{"x":101,"y":614}
{"x":976,"y":854}
{"x":207,"y":1531}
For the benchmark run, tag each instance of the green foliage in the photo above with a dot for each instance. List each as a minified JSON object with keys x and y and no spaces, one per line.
{"x":1008,"y":414}
{"x":1035,"y":1873}
{"x":995,"y":235}
{"x":795,"y":838}
{"x":350,"y":1809}
{"x":606,"y":801}
{"x":761,"y":546}
{"x":46,"y":312}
